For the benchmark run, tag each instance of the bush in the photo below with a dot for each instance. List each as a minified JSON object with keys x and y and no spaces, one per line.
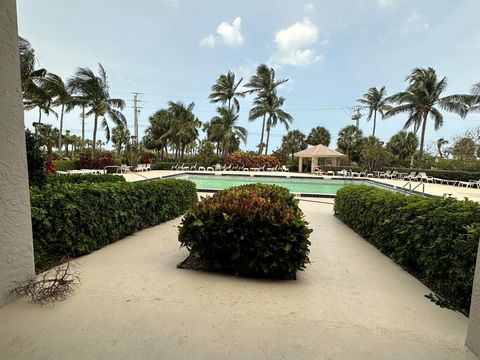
{"x":250,"y":160}
{"x":76,"y":219}
{"x":64,"y":165}
{"x":102,"y":159}
{"x":35,"y":161}
{"x":443,"y":174}
{"x":254,"y":230}
{"x":83,"y":179}
{"x":436,"y":239}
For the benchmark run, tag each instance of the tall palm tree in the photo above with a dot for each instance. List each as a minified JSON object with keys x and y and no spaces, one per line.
{"x":156,"y":135}
{"x":225,"y":90}
{"x":263,"y":83}
{"x":54,"y":85}
{"x":376,"y":102}
{"x":422,"y":99}
{"x":224,"y":126}
{"x":270,"y":105}
{"x":440,"y":144}
{"x":293,"y":142}
{"x":120,"y":138}
{"x":95,"y":90}
{"x":48,"y":137}
{"x":41,"y":99}
{"x":28,"y":67}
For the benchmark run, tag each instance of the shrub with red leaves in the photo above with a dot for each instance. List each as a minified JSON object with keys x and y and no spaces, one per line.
{"x":102,"y":159}
{"x":49,"y":165}
{"x":251,"y":160}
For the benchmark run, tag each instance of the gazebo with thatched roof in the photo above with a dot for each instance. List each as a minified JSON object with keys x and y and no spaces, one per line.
{"x":317,"y":152}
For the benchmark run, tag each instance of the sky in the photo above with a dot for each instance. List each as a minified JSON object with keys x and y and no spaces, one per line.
{"x":332,"y":52}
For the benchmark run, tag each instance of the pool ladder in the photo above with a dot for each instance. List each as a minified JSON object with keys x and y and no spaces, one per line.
{"x":411,"y":190}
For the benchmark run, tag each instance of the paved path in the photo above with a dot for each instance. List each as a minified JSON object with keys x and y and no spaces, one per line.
{"x":351,"y":303}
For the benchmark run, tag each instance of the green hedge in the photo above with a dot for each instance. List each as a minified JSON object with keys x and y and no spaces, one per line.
{"x":76,"y":219}
{"x":436,"y":239}
{"x":443,"y":174}
{"x":83,"y":179}
{"x":255,"y":229}
{"x":64,"y":165}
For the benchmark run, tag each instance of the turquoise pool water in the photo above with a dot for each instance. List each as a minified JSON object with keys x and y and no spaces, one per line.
{"x":304,"y":186}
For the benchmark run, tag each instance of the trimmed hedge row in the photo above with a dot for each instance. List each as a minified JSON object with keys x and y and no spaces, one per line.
{"x":64,"y":165}
{"x":443,"y":174}
{"x":83,"y":179}
{"x":436,"y":239}
{"x":164,"y":165}
{"x":256,"y":230}
{"x":76,"y":219}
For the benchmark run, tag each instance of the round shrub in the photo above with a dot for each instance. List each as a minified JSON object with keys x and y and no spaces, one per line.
{"x":255,"y":230}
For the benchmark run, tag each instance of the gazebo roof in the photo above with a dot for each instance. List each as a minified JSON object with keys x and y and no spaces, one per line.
{"x":319,"y":151}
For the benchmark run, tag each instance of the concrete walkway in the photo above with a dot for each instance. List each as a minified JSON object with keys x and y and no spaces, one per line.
{"x":351,"y":303}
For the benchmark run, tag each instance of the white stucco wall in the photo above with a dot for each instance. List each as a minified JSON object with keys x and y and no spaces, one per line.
{"x":16,"y":251}
{"x":473,"y":335}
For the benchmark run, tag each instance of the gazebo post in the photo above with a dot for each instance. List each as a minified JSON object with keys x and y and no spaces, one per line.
{"x":314,"y":164}
{"x":300,"y":164}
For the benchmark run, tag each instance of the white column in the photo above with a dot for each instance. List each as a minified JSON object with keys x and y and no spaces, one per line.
{"x":473,"y":334}
{"x":314,"y":164}
{"x":300,"y":164}
{"x":16,"y":250}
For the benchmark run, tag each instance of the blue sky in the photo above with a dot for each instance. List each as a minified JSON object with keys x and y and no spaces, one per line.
{"x":332,"y":52}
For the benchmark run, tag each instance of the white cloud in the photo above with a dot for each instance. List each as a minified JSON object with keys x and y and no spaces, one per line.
{"x":208,"y":41}
{"x":415,"y":23}
{"x":385,"y":3}
{"x":230,"y":33}
{"x":294,"y":45}
{"x":309,"y":7}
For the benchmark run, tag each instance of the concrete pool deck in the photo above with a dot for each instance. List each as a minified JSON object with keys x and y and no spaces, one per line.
{"x":432,"y":189}
{"x":352,"y":302}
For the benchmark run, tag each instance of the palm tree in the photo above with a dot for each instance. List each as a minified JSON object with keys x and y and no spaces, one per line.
{"x":263,"y":83}
{"x":56,"y":88}
{"x":270,"y":105}
{"x":421,"y":100}
{"x":225,"y":90}
{"x":403,"y":144}
{"x":28,"y":70}
{"x":184,"y":127}
{"x":224,"y":126}
{"x":350,"y":140}
{"x":95,"y":90}
{"x":440,"y":144}
{"x":293,"y":142}
{"x":319,"y":135}
{"x":156,"y":135}
{"x":120,"y":137}
{"x":48,"y":137}
{"x":375,"y":100}
{"x":39,"y":98}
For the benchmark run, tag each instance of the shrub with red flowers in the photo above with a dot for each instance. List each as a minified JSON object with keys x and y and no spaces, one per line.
{"x":251,"y":160}
{"x":255,"y":230}
{"x":49,"y":165}
{"x":102,"y":159}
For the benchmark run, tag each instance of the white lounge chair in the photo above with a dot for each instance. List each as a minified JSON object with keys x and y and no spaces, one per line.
{"x":175,"y":167}
{"x":423,"y":177}
{"x":284,"y":168}
{"x":411,"y":176}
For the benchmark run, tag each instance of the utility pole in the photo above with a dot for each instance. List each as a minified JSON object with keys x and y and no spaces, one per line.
{"x":136,"y":110}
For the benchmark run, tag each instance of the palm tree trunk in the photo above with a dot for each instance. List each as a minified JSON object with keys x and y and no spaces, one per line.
{"x":83,"y":126}
{"x":374,"y":122}
{"x":260,"y":147}
{"x":422,"y":138}
{"x":94,"y":143}
{"x":268,"y":137}
{"x":39,"y":115}
{"x":60,"y":131}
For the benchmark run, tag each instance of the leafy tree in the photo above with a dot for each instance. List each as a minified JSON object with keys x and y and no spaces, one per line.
{"x":403,"y":144}
{"x":372,"y":153}
{"x":293,"y":142}
{"x":263,"y":84}
{"x":376,"y":102}
{"x":464,"y":149}
{"x":350,"y":141}
{"x":225,"y":90}
{"x":318,"y":135}
{"x":205,"y":153}
{"x":95,"y":91}
{"x":422,"y":99}
{"x":35,"y":161}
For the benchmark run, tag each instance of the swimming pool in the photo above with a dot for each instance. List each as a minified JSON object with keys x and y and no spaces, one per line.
{"x":303,"y":186}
